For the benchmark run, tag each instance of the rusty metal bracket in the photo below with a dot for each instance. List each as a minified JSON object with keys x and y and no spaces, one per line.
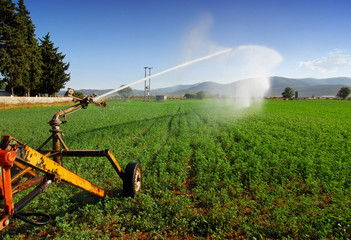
{"x":6,"y":162}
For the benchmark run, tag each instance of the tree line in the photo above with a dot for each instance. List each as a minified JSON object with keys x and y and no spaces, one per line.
{"x":28,"y":66}
{"x":289,"y":93}
{"x":198,"y":95}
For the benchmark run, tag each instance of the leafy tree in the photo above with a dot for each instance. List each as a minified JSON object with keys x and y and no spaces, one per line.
{"x":125,"y":92}
{"x":288,"y":93}
{"x":75,"y":94}
{"x":296,"y":94}
{"x":200,"y":95}
{"x":78,"y":94}
{"x":343,"y":92}
{"x":190,"y":96}
{"x":54,"y":74}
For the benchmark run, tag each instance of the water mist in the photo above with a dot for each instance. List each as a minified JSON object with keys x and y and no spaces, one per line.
{"x":256,"y":63}
{"x":223,"y":65}
{"x":166,"y":71}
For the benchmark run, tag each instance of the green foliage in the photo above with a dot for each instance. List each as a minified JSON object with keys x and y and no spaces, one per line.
{"x":20,"y":60}
{"x":343,"y":92}
{"x":209,"y":171}
{"x":200,"y":95}
{"x":288,"y":93}
{"x":190,"y":96}
{"x":296,"y":94}
{"x":25,"y":67}
{"x":76,"y":94}
{"x":125,"y":93}
{"x":32,"y":79}
{"x":13,"y":62}
{"x":54,"y":69}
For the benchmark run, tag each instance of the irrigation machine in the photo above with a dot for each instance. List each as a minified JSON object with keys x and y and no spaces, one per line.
{"x":24,"y":167}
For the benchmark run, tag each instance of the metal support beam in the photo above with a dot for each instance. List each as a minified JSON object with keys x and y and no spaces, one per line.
{"x":46,"y":165}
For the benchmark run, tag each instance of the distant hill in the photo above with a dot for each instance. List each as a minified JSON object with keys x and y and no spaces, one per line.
{"x":87,"y":91}
{"x":306,"y":87}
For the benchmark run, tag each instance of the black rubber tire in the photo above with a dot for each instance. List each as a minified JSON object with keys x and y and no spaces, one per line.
{"x":132,"y":179}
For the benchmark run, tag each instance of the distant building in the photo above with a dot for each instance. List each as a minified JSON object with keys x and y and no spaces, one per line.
{"x":326,"y":97}
{"x":161,"y":98}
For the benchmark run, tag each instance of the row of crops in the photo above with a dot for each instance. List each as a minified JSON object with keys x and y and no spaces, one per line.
{"x":282,"y":171}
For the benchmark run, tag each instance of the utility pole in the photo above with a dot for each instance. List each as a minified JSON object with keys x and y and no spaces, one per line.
{"x":149,"y":89}
{"x":145,"y":85}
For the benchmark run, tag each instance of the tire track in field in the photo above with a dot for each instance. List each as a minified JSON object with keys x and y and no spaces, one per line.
{"x":216,"y":124}
{"x":142,"y":133}
{"x":146,"y":130}
{"x":204,"y":120}
{"x":211,"y":125}
{"x":190,"y":179}
{"x":166,"y":139}
{"x":183,"y":135}
{"x":170,"y":123}
{"x":133,"y":140}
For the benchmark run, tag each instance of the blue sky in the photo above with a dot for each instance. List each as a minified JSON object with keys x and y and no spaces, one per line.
{"x":108,"y":42}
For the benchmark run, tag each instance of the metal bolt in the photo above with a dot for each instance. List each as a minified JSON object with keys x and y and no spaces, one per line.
{"x":6,"y":222}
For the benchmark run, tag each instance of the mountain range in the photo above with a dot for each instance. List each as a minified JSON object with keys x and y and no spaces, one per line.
{"x":307,"y":87}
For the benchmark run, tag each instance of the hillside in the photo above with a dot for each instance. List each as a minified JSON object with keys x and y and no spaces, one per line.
{"x":306,"y":87}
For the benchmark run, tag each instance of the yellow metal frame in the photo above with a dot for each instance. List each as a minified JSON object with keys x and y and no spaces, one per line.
{"x":45,"y":164}
{"x":36,"y":160}
{"x":28,"y":161}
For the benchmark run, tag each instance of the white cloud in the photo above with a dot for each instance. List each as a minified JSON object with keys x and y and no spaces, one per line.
{"x":335,"y":60}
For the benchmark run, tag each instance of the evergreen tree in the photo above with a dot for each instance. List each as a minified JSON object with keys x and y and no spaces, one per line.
{"x":19,"y":56}
{"x":12,"y":63}
{"x":53,"y":76}
{"x":7,"y":23}
{"x":32,"y":50}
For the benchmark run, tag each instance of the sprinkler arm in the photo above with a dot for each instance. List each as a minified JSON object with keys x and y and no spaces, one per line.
{"x":83,"y":103}
{"x":55,"y":123}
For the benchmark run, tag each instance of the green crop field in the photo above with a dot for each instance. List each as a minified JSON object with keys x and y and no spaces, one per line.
{"x":209,"y":171}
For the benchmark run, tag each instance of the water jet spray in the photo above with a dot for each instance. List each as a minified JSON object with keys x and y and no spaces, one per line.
{"x":166,"y":71}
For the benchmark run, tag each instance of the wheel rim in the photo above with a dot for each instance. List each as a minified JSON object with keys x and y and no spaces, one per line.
{"x":137,"y":180}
